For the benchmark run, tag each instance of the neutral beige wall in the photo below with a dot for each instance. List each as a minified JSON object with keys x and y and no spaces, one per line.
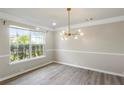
{"x":4,"y":42}
{"x":100,"y":38}
{"x":7,"y":69}
{"x":101,"y":47}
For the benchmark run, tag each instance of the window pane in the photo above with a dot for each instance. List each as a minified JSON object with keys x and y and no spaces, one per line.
{"x":40,"y":49}
{"x":37,"y":44}
{"x":19,"y":44}
{"x":13,"y":45}
{"x":23,"y":44}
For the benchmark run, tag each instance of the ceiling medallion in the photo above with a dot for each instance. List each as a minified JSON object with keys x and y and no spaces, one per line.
{"x":65,"y":35}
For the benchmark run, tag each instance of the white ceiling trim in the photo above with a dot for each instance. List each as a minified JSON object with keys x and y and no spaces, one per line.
{"x":93,"y":23}
{"x":21,"y":20}
{"x":85,"y":24}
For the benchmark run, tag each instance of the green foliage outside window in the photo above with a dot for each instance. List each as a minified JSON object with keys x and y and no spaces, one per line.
{"x":21,"y":48}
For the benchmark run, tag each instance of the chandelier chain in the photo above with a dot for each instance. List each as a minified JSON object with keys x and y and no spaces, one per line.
{"x":69,"y":9}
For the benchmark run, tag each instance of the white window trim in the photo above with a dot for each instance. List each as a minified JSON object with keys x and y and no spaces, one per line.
{"x":27,"y":60}
{"x":31,"y":58}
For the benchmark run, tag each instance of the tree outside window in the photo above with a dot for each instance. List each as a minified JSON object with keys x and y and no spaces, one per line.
{"x":25,"y":44}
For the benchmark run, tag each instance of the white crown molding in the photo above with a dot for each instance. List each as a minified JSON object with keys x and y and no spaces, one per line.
{"x":93,"y":23}
{"x":22,"y":20}
{"x":85,"y":24}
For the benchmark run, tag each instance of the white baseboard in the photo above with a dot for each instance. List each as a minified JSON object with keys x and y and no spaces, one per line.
{"x":88,"y":68}
{"x":64,"y":63}
{"x":19,"y":73}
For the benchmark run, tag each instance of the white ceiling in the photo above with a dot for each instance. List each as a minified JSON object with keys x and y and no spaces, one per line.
{"x":45,"y":16}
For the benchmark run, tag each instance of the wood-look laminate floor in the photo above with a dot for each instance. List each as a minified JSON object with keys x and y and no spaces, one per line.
{"x":57,"y":74}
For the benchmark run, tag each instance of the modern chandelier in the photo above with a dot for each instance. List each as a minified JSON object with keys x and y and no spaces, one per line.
{"x":65,"y":35}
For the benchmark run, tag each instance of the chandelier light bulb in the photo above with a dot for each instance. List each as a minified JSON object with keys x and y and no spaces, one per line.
{"x":81,"y":34}
{"x":75,"y":37}
{"x":66,"y":38}
{"x":79,"y":30}
{"x":63,"y":32}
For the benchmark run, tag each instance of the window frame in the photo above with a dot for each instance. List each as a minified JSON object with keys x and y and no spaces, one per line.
{"x":30,"y":46}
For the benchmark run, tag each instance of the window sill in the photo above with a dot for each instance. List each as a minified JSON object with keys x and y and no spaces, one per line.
{"x":26,"y":60}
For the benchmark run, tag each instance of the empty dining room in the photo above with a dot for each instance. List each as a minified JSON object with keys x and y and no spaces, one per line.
{"x":61,"y":46}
